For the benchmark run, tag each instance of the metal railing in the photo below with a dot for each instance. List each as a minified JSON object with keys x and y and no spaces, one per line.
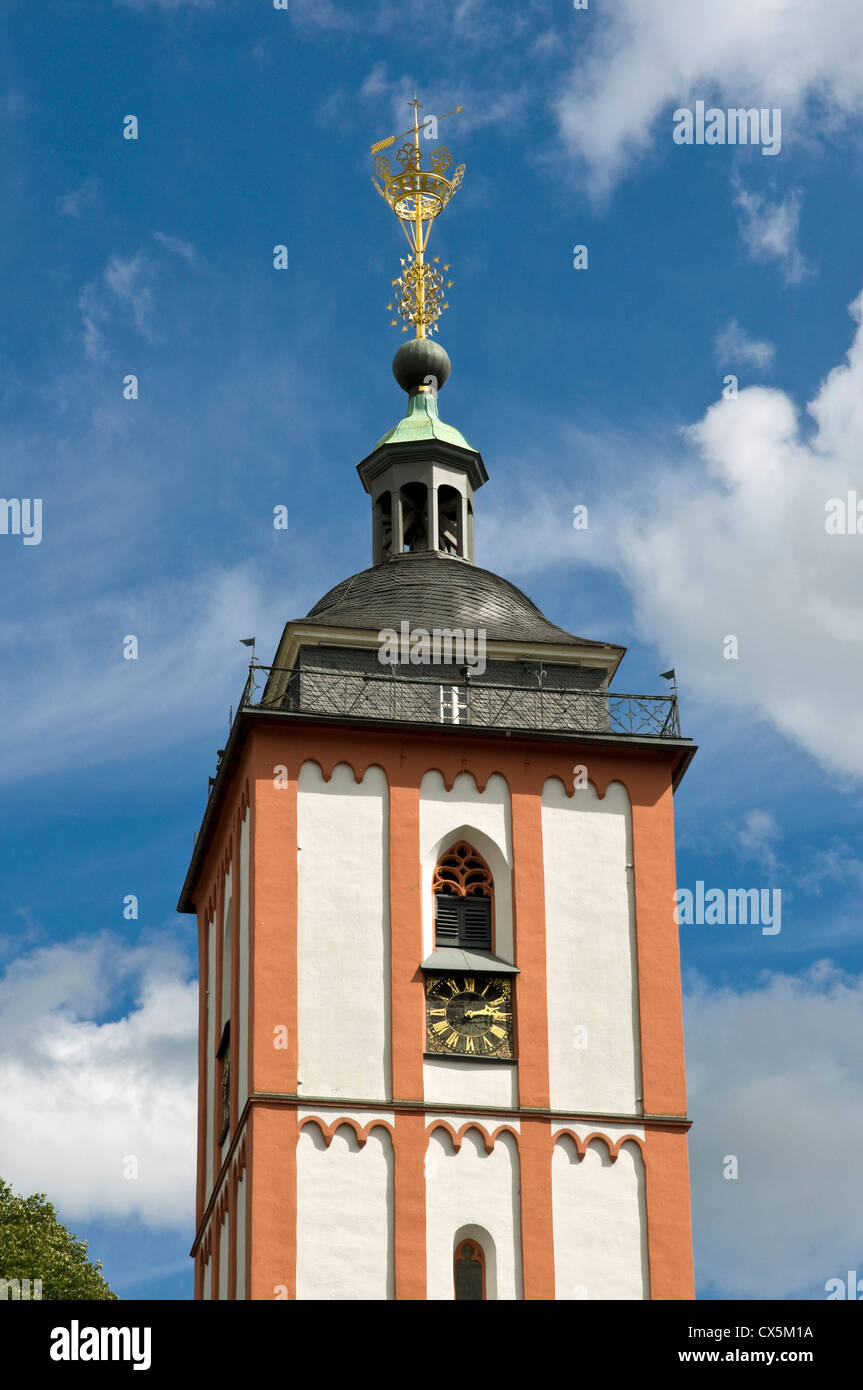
{"x":462,"y":702}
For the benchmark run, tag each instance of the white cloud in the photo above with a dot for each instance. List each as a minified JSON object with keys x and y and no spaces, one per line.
{"x":732,"y":542}
{"x":87,"y":198}
{"x":503,"y":106}
{"x":177,"y":246}
{"x":774,"y":1078}
{"x":769,"y":231}
{"x":127,"y":280}
{"x":187,"y":635}
{"x":376,"y":81}
{"x":123,"y":293}
{"x":742,"y":551}
{"x":734,"y":347}
{"x":837,"y":865}
{"x":81,"y":1094}
{"x":468,"y":21}
{"x":757,"y":838}
{"x":651,"y":58}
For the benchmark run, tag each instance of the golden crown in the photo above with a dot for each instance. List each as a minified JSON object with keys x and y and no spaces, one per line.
{"x":415,"y":193}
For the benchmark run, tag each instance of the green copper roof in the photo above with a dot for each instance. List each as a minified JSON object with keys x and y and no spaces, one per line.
{"x":423,"y":422}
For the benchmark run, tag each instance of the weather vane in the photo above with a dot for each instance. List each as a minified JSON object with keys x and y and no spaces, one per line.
{"x":417,"y":196}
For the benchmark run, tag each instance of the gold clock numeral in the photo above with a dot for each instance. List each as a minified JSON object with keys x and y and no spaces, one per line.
{"x":435,"y":1012}
{"x":501,"y":1014}
{"x":497,"y":1030}
{"x":454,"y":988}
{"x":440,"y":1027}
{"x":452,"y":1040}
{"x":469,"y":985}
{"x":468,"y":1046}
{"x":485,"y":1042}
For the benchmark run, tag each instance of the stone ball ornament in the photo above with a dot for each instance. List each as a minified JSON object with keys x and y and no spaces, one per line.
{"x":418,"y":359}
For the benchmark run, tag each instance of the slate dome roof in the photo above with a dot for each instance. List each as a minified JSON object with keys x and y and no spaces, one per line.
{"x":430,"y":590}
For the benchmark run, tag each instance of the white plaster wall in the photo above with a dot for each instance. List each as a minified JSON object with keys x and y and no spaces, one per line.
{"x":241,"y":1236}
{"x":471,"y":1188}
{"x":345,"y":1216}
{"x":224,"y":1232}
{"x":209,"y":1064}
{"x":343,"y":933}
{"x":208,"y":1279}
{"x":484,"y":819}
{"x":590,"y":945}
{"x":469,"y":1083}
{"x":243,"y":972}
{"x":600,"y":1229}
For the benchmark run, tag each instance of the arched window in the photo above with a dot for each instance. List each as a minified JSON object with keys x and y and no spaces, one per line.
{"x":415,"y":516}
{"x":449,"y":520}
{"x":382,"y":527}
{"x":464,"y":893}
{"x":469,"y":1270}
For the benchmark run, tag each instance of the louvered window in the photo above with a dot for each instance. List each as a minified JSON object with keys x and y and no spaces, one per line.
{"x":447,"y":921}
{"x":463,"y":922}
{"x":463,"y":889}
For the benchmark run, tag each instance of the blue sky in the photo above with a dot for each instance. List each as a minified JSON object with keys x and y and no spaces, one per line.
{"x":601,"y":387}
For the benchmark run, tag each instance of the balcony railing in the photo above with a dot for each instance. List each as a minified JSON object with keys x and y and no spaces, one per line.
{"x":476,"y":703}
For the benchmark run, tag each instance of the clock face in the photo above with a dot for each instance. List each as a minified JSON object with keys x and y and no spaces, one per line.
{"x":469,"y":1016}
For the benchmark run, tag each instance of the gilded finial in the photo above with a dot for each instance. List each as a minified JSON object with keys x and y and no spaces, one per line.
{"x":417,"y":196}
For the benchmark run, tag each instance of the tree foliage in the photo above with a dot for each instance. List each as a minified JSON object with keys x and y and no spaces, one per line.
{"x":35,"y":1245}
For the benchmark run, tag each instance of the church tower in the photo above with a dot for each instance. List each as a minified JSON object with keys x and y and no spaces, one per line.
{"x":440,"y":1041}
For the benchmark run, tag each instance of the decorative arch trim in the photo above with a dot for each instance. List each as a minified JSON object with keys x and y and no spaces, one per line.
{"x":612,"y":1145}
{"x":327,"y":766}
{"x":488,"y":1139}
{"x":450,"y":773}
{"x":328,"y":1131}
{"x":599,"y":783}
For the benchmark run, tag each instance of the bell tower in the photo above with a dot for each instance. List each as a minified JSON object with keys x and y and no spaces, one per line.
{"x":440,"y":1037}
{"x":423,"y":474}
